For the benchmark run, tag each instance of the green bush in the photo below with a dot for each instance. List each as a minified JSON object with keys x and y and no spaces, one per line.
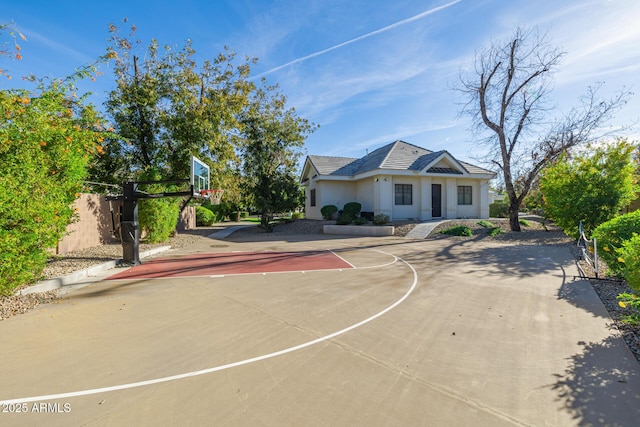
{"x":589,"y":188}
{"x":297,"y":215}
{"x":484,"y":223}
{"x":611,"y":235}
{"x":631,"y":303}
{"x":498,"y":210}
{"x":343,"y":219}
{"x":352,"y":209}
{"x":158,"y":218}
{"x":380,"y":219}
{"x":46,"y":145}
{"x":524,"y":222}
{"x":460,"y":230}
{"x":328,"y":211}
{"x":494,"y":231}
{"x":218,"y":211}
{"x":360,"y":221}
{"x":204,"y":217}
{"x":629,"y":256}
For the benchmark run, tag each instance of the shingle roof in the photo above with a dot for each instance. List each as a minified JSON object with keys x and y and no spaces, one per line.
{"x":398,"y":155}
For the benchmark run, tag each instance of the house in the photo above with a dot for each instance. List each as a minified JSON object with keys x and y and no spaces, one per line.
{"x":495,"y":197}
{"x":400,"y":180}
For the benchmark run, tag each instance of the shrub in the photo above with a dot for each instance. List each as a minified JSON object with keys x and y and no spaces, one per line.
{"x":460,"y":230}
{"x":380,"y":219}
{"x":590,"y":188}
{"x":46,"y":145}
{"x":630,"y":302}
{"x":158,"y":218}
{"x":498,"y":210}
{"x":611,"y":235}
{"x":352,"y":209}
{"x":524,"y":222}
{"x":343,"y":219}
{"x":204,"y":217}
{"x":328,"y":211}
{"x":360,"y":221}
{"x":218,"y":211}
{"x":297,"y":215}
{"x":629,"y":256}
{"x":484,"y":223}
{"x":494,"y":231}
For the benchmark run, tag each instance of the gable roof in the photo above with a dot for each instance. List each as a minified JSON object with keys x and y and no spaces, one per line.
{"x":398,"y":155}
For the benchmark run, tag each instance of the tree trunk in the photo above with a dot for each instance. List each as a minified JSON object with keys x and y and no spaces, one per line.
{"x":514,"y":220}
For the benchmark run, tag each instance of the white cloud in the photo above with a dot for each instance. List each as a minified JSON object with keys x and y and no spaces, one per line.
{"x":62,"y":49}
{"x":360,"y":38}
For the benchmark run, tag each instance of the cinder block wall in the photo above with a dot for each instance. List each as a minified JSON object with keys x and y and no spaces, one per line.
{"x":94,"y":226}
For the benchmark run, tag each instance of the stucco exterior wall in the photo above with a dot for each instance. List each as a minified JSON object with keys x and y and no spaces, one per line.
{"x":329,"y":193}
{"x":364,"y":194}
{"x":411,"y":211}
{"x":378,"y":195}
{"x":472,"y":210}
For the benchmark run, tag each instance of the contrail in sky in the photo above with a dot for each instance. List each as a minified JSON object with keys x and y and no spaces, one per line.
{"x":364,"y":36}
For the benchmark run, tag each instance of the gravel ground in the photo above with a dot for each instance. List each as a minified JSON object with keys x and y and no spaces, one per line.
{"x":538,"y":232}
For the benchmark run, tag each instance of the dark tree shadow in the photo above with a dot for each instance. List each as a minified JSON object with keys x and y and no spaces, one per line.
{"x":580,"y":293}
{"x":518,"y":260}
{"x":601,"y":385}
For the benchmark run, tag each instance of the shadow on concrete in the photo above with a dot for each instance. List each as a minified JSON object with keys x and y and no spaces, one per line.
{"x":519,"y":260}
{"x":579,"y":293}
{"x":597,"y":393}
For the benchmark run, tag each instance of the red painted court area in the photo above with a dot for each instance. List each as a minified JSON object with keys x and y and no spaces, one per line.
{"x":216,"y":264}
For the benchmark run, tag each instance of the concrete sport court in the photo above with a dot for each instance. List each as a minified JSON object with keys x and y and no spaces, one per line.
{"x":326,"y":332}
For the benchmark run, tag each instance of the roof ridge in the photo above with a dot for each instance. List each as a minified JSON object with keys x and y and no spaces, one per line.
{"x":335,"y":157}
{"x":393,"y":145}
{"x":417,"y":146}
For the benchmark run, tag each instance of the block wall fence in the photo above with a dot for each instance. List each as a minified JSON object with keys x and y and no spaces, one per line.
{"x":94,"y":226}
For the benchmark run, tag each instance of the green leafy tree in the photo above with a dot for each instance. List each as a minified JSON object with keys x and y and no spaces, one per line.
{"x":591,"y":188}
{"x":508,"y":92}
{"x":167,"y":107}
{"x":271,"y":140}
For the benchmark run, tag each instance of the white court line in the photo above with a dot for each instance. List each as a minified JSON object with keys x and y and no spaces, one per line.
{"x":259,"y":273}
{"x":227,"y":366}
{"x":352,"y":266}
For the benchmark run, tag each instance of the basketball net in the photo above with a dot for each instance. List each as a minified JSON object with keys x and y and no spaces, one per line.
{"x":214,"y":195}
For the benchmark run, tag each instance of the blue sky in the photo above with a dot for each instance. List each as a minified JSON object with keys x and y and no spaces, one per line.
{"x":367,"y":71}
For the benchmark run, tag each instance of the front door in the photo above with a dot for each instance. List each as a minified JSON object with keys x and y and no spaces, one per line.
{"x":436,"y":200}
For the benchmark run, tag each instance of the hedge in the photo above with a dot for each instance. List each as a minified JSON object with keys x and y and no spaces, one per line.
{"x":610,"y":237}
{"x":46,"y":146}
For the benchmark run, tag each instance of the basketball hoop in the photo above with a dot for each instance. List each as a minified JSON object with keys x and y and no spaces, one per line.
{"x":214,"y":195}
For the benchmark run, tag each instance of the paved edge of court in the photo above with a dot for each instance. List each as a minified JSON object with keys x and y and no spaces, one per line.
{"x":83,"y":277}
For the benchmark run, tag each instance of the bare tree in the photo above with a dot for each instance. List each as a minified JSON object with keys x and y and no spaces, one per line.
{"x":507,"y":94}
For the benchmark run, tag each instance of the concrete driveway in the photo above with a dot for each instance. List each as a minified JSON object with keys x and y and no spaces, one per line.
{"x":434,"y":333}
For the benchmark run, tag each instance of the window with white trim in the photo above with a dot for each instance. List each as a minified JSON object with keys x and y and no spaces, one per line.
{"x":464,"y":195}
{"x":404,"y":194}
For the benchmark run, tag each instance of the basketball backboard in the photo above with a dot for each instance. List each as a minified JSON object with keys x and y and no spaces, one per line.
{"x":200,"y":175}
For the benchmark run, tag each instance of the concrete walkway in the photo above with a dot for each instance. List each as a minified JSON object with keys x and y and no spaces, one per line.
{"x":422,"y":230}
{"x":226,"y":232}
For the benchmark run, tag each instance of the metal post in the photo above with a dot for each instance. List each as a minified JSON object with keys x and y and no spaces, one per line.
{"x":595,"y":256}
{"x":129,"y":226}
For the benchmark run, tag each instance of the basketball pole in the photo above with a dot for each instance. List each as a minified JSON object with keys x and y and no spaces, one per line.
{"x":129,"y":225}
